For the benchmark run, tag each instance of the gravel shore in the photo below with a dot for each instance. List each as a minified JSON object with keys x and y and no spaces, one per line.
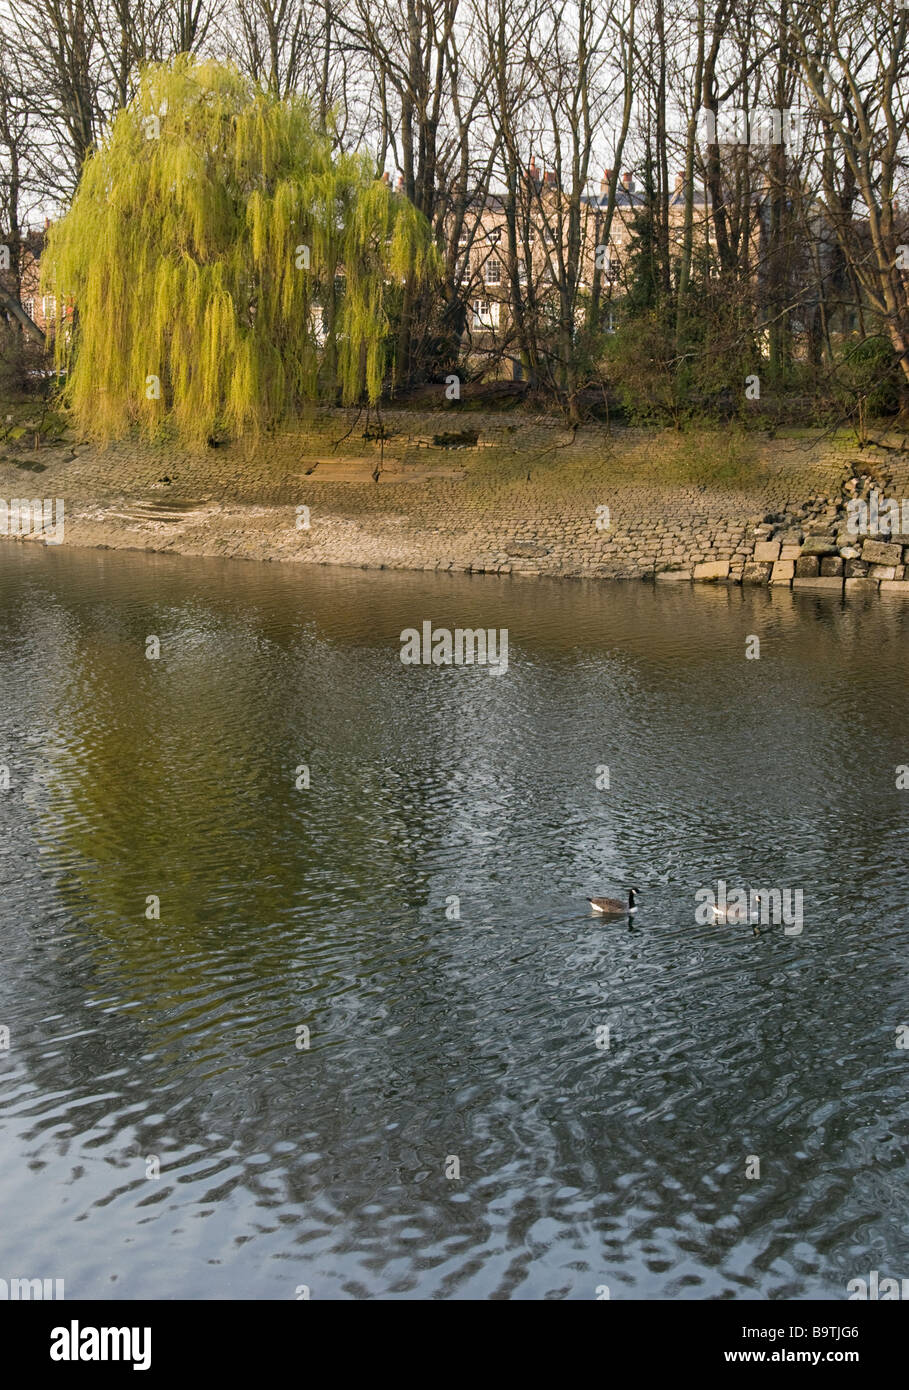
{"x":497,"y":493}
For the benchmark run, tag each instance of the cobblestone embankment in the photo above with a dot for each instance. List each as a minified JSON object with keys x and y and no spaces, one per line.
{"x":487,"y":494}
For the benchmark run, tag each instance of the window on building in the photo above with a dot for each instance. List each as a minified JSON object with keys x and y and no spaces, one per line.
{"x":29,"y":307}
{"x":49,"y":308}
{"x":495,"y":236}
{"x":485,"y":313}
{"x":317,"y":324}
{"x":493,"y":271}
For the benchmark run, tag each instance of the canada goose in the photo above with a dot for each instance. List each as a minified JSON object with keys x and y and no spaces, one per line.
{"x":614,"y":907}
{"x":732,"y":915}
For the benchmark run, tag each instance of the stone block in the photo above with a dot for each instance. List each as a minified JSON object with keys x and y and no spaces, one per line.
{"x":895,"y":586}
{"x":857,"y":569}
{"x":862,"y":586}
{"x":807,"y":567}
{"x":882,"y":572}
{"x":819,"y":545}
{"x":671,"y":576}
{"x":757,"y":572}
{"x":712,"y":569}
{"x":783,"y":572}
{"x":828,"y":582}
{"x":766,"y":550}
{"x":790,"y":552}
{"x":831,"y":564}
{"x":881,"y":553}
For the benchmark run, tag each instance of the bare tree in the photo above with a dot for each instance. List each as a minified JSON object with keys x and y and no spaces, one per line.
{"x":854,"y":61}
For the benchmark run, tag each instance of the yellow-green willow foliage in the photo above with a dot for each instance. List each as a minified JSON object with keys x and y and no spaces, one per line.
{"x":224,"y":265}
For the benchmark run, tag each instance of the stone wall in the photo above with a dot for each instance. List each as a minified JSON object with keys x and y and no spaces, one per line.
{"x":819,"y":546}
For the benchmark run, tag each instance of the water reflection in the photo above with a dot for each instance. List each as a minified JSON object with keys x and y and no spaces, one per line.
{"x":434,"y":1036}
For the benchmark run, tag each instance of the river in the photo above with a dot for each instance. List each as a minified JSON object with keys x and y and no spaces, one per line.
{"x":363,"y":1037}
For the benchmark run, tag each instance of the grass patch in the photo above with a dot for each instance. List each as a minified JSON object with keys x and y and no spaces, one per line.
{"x":696,"y":457}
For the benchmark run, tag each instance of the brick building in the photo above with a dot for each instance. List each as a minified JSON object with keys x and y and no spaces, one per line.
{"x":41,"y":308}
{"x":541,"y":223}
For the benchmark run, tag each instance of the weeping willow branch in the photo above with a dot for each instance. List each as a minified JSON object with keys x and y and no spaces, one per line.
{"x":225,"y":266}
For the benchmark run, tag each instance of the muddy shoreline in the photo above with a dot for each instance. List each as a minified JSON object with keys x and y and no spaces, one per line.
{"x":520,"y":496}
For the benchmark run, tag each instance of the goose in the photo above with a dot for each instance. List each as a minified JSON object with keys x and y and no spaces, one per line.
{"x":732,"y":915}
{"x":614,"y":907}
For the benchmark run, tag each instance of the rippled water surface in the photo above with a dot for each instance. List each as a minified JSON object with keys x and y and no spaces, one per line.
{"x":434,"y":1039}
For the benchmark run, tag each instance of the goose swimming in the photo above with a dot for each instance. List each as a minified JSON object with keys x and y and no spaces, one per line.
{"x":614,"y":907}
{"x":733,"y":915}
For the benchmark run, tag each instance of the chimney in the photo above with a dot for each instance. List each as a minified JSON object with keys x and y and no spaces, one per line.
{"x":627,"y":183}
{"x":533,"y":172}
{"x":399,"y":186}
{"x":604,"y":186}
{"x":549,"y":178}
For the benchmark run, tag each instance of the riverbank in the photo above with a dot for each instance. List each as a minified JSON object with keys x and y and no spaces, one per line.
{"x":486,"y":492}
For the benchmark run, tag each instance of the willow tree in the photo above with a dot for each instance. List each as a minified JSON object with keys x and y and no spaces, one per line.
{"x":225,"y":265}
